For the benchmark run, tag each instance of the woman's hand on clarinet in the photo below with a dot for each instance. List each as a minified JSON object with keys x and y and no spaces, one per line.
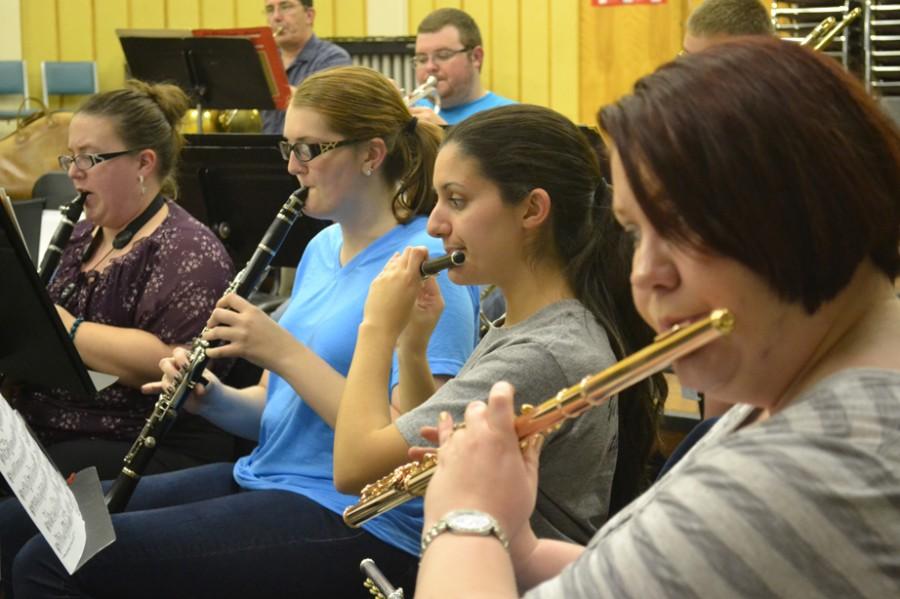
{"x":482,"y":467}
{"x":401,"y":303}
{"x":171,"y":367}
{"x":246,"y":332}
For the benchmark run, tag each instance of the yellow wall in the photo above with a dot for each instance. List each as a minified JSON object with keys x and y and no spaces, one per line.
{"x":564,"y":54}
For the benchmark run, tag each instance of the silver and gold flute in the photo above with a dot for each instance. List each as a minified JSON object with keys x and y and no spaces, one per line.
{"x":411,"y":480}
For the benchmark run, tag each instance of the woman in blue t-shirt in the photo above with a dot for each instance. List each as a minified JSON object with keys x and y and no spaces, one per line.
{"x":270,"y":525}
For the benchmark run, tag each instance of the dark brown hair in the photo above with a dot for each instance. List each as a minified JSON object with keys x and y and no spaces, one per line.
{"x":520,"y":148}
{"x":146,"y":115}
{"x":469,"y":34}
{"x":361,"y":103}
{"x":767,"y":153}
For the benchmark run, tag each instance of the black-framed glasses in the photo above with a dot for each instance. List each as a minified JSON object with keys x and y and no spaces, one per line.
{"x":84,"y":162}
{"x":438,"y":57}
{"x":304,"y":152}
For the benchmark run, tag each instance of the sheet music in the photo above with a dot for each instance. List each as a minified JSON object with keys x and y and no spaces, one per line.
{"x":41,"y":489}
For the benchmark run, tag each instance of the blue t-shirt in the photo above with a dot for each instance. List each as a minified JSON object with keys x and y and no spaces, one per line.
{"x":464,"y":111}
{"x":295,"y":451}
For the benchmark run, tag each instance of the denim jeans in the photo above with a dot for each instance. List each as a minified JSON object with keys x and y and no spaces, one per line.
{"x":195,"y":533}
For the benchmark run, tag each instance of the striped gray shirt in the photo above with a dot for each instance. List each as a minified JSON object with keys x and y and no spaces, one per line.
{"x":805,"y":504}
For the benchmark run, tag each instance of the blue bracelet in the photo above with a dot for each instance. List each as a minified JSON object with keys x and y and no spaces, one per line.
{"x":74,"y":328}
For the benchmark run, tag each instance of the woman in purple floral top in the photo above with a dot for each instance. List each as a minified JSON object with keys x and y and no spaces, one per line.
{"x":127,"y":305}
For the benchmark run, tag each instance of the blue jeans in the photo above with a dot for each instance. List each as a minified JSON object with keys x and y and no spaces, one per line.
{"x":195,"y":533}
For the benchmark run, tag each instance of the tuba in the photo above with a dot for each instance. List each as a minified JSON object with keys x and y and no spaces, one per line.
{"x":426,"y":90}
{"x":411,"y":480}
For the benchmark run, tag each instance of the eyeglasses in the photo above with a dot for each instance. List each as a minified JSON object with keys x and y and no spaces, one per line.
{"x":84,"y":162}
{"x":439,"y":57}
{"x":305,"y":152}
{"x":282,"y":7}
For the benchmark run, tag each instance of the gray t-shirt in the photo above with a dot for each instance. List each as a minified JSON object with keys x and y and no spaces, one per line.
{"x":804,"y":504}
{"x":553,"y":349}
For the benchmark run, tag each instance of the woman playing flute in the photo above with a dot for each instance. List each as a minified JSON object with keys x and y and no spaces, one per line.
{"x":520,"y":192}
{"x":740,"y":189}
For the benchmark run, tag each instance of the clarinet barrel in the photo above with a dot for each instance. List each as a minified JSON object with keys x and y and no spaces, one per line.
{"x":172,"y":399}
{"x":71,"y":212}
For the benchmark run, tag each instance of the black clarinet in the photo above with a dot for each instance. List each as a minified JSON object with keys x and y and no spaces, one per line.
{"x":71,"y":212}
{"x":172,"y":399}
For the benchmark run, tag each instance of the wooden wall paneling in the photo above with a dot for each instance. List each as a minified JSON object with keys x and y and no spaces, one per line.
{"x":504,"y":61}
{"x":350,"y":18}
{"x":147,"y":14}
{"x":565,"y":59}
{"x":217,"y":14}
{"x":480,"y":10}
{"x":76,"y":40}
{"x":249,"y":13}
{"x":182,"y":14}
{"x":620,"y":44}
{"x":418,"y":10}
{"x":110,"y":15}
{"x":324,"y":24}
{"x":40,"y":39}
{"x":535,"y":52}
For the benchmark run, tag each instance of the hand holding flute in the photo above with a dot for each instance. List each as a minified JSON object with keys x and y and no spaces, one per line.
{"x":404,"y":301}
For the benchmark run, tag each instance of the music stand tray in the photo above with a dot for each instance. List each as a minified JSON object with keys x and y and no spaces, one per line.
{"x":216,"y":72}
{"x":34,"y":346}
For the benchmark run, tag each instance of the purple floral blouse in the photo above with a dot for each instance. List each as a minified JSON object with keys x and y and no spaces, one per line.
{"x":167,"y":285}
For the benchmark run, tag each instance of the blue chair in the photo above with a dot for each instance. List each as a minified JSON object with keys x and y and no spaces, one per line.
{"x":65,"y":78}
{"x":14,"y":82}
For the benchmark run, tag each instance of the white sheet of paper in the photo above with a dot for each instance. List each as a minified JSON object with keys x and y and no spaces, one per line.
{"x":49,"y":221}
{"x":41,"y":489}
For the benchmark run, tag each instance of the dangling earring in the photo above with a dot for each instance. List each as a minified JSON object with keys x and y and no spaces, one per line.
{"x":367,"y":172}
{"x":141,"y":183}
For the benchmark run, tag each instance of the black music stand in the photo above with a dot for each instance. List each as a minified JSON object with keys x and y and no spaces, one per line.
{"x":235,"y":184}
{"x":215,"y":72}
{"x":34,"y":346}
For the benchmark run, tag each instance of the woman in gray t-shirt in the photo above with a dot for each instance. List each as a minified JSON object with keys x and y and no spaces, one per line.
{"x":520,"y":192}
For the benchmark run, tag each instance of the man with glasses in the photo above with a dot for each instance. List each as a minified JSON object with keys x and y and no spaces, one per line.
{"x":448,"y":47}
{"x":717,"y":21}
{"x":302,"y":52}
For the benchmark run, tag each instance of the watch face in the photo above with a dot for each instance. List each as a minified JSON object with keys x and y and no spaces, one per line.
{"x":470,"y":522}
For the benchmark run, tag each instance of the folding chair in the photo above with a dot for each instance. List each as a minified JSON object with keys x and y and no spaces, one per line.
{"x":77,"y":78}
{"x":14,"y":82}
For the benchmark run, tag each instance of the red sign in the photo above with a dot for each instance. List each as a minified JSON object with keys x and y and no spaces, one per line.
{"x":624,"y":2}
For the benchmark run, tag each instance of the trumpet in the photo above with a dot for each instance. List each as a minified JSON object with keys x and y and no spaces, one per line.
{"x":828,"y":29}
{"x":426,"y":90}
{"x":411,"y":480}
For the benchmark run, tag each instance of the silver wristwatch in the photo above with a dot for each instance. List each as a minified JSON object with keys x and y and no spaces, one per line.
{"x":465,"y":522}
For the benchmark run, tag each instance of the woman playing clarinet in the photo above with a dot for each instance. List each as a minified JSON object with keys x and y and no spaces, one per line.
{"x":270,"y":525}
{"x":138,"y":277}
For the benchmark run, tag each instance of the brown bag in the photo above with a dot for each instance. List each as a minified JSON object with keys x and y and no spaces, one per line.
{"x":32,"y":149}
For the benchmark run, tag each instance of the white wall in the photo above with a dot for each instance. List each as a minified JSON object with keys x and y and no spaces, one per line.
{"x":386,"y":17}
{"x":10,"y":30}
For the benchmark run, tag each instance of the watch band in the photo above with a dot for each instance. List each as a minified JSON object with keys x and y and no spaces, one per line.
{"x":453,"y":522}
